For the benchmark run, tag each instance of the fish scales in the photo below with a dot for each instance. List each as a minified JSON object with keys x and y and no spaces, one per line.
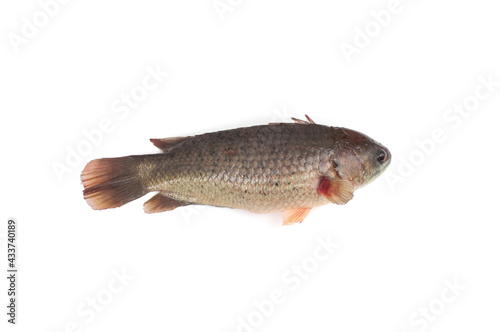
{"x":259,"y":169}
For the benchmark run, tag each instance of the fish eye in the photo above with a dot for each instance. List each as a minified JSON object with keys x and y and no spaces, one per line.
{"x":381,"y":156}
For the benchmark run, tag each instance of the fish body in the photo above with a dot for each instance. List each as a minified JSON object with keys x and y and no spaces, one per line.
{"x":290,"y":167}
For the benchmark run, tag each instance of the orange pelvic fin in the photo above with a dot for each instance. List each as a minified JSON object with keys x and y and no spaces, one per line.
{"x":161,"y":203}
{"x":338,"y":191}
{"x":294,"y":216}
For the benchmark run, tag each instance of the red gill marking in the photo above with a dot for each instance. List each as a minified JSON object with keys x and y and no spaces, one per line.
{"x":324,"y":186}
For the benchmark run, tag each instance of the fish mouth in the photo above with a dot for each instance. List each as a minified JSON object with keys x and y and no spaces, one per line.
{"x":389,"y":157}
{"x":387,"y":161}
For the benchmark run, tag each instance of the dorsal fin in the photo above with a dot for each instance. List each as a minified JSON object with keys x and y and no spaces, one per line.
{"x":299,"y":121}
{"x":309,"y":120}
{"x":167,"y":144}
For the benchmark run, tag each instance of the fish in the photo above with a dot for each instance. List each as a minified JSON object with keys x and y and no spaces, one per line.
{"x":288,"y":167}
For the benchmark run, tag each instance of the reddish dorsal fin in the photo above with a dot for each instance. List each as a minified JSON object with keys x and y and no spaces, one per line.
{"x":338,"y":191}
{"x":299,"y":121}
{"x":309,"y":120}
{"x":161,"y":203}
{"x":294,"y":216}
{"x":167,"y":144}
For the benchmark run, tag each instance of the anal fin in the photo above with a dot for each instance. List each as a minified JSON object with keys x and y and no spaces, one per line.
{"x":161,"y":203}
{"x":294,"y":216}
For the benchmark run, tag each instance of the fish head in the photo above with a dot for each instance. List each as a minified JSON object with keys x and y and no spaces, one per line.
{"x":357,"y":157}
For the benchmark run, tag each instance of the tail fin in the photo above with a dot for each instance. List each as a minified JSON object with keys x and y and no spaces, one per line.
{"x":112,"y":182}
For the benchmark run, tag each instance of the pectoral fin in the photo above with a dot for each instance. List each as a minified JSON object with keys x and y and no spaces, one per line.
{"x":161,"y":203}
{"x":294,"y":216}
{"x":338,"y":191}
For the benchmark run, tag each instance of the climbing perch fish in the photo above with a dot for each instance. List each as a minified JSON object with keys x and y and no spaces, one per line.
{"x":290,"y":167}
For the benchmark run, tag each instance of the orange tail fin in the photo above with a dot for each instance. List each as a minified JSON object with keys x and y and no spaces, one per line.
{"x":112,"y":182}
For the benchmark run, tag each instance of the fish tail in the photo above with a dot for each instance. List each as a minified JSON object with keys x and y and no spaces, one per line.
{"x":112,"y":182}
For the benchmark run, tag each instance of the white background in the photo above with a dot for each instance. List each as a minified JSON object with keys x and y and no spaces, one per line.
{"x":201,"y":269}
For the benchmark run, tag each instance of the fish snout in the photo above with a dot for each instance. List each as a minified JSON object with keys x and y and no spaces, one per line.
{"x":383,"y":157}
